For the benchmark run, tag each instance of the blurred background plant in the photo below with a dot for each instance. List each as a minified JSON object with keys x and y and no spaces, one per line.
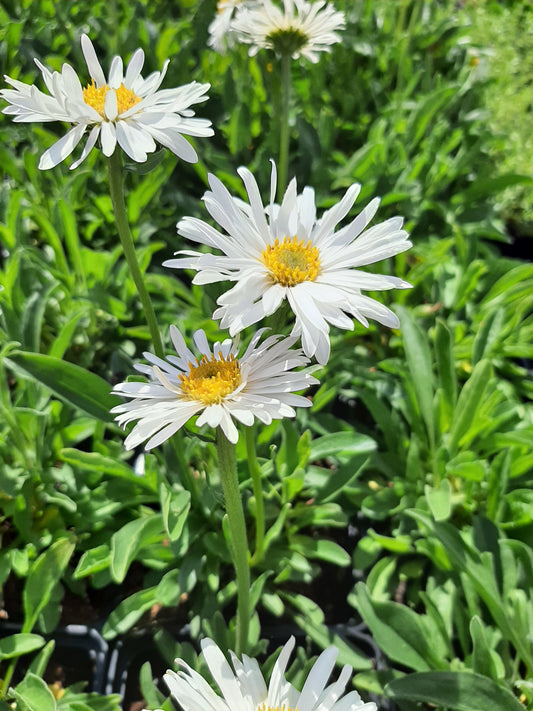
{"x":402,"y":501}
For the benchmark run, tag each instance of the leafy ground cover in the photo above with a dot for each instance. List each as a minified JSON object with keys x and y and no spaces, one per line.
{"x":400,"y":503}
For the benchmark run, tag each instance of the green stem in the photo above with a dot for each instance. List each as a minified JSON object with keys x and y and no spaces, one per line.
{"x":227,"y":464}
{"x":114,"y":165}
{"x":255,"y":473}
{"x":7,"y":678}
{"x":283,"y":164}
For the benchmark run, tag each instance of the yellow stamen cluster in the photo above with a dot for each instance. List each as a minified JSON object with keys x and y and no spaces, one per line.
{"x":95,"y":97}
{"x":291,"y":261}
{"x":263,"y":707}
{"x":210,"y":380}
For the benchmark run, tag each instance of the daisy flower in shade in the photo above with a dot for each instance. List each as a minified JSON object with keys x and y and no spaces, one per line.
{"x":300,"y":29}
{"x":219,"y":384}
{"x":244,"y":688}
{"x":221,"y":35}
{"x":124,"y":109}
{"x":285,"y":252}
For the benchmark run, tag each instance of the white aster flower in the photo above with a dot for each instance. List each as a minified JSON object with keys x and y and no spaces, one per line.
{"x":124,"y":109}
{"x":300,"y":29}
{"x":285,"y":252}
{"x":219,"y":384}
{"x":221,"y":35}
{"x":244,"y":688}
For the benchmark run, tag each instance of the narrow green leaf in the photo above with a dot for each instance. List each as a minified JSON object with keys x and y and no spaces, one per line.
{"x":129,"y":540}
{"x":128,"y":612}
{"x":461,"y":691}
{"x":76,"y":386}
{"x":418,"y":358}
{"x":341,"y":443}
{"x":487,"y":335}
{"x":94,"y":461}
{"x":175,"y":506}
{"x":322,"y":549}
{"x":468,"y":403}
{"x":324,"y":637}
{"x":93,"y":561}
{"x":396,"y":629}
{"x":446,"y":365}
{"x":44,"y":575}
{"x":481,"y":652}
{"x":17,"y":644}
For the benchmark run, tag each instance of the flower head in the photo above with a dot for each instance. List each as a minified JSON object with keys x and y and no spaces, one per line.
{"x":300,"y":29}
{"x":221,"y":35}
{"x":219,"y":384}
{"x":124,"y":109}
{"x":244,"y":688}
{"x":285,"y":252}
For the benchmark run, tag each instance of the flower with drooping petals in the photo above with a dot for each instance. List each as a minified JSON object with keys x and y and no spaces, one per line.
{"x":300,"y":29}
{"x":124,"y":109}
{"x":221,"y":35}
{"x":244,"y":687}
{"x":284,"y":252}
{"x":219,"y":384}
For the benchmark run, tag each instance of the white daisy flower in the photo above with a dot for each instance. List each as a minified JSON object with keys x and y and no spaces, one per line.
{"x":221,"y":35}
{"x":285,"y":252}
{"x":124,"y":109}
{"x":300,"y":29}
{"x":219,"y":384}
{"x":244,"y":688}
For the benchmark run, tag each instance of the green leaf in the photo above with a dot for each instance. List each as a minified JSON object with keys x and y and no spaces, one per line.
{"x":324,"y":637}
{"x":482,"y":661}
{"x":43,"y":577}
{"x":76,"y":386}
{"x":397,"y":630}
{"x":126,"y":614}
{"x":94,"y":461}
{"x":34,"y":694}
{"x":461,"y":691}
{"x":93,"y":561}
{"x":320,"y":548}
{"x":468,"y":403}
{"x":129,"y":540}
{"x":439,"y":500}
{"x":17,"y":644}
{"x":446,"y":366}
{"x":341,"y":443}
{"x":487,"y":335}
{"x":418,"y":358}
{"x":175,"y":506}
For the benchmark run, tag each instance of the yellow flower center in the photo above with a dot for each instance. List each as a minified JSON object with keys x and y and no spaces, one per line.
{"x":210,"y":380}
{"x":95,"y":97}
{"x":263,"y":707}
{"x":291,"y":261}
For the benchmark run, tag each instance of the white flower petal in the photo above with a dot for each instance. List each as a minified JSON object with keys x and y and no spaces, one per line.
{"x":111,"y":105}
{"x":108,"y":138}
{"x":89,"y":145}
{"x":61,"y":148}
{"x":263,"y":378}
{"x":332,"y":290}
{"x":134,"y":68}
{"x":93,"y":65}
{"x":157,"y":115}
{"x":244,"y":687}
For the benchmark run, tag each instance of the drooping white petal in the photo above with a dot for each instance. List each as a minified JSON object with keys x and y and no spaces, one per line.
{"x":61,"y":148}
